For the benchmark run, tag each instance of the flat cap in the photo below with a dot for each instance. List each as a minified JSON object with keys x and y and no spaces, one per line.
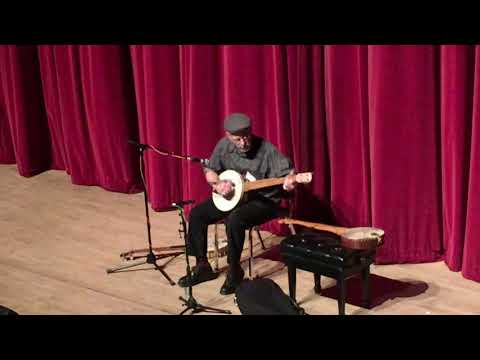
{"x":236,"y":122}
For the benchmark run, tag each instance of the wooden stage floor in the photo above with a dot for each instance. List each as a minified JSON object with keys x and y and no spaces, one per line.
{"x":57,"y":240}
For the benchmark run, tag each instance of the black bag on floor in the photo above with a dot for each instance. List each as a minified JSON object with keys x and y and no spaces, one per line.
{"x":264,"y":297}
{"x":6,"y":311}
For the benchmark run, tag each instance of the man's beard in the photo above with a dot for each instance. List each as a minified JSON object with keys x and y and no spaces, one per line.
{"x":245,"y":149}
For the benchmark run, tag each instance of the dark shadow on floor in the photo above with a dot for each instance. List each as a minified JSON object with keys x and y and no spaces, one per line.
{"x":381,"y":290}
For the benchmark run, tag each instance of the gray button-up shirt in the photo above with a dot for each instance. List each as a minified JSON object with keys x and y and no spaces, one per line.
{"x":263,"y":161}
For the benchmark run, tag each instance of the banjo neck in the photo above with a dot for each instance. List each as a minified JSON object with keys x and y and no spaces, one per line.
{"x":301,"y":178}
{"x":260,"y":184}
{"x":317,"y":226}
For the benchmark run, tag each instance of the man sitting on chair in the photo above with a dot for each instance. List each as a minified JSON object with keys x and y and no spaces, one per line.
{"x":254,"y":158}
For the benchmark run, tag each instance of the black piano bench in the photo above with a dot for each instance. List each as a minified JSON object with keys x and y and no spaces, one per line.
{"x":321,"y":253}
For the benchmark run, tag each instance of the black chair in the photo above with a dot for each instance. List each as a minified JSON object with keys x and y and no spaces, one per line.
{"x":285,"y":211}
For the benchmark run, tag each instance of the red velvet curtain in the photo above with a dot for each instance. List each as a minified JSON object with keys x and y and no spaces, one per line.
{"x":390,"y":131}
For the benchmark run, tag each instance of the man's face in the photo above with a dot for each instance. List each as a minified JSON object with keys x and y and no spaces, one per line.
{"x":242,"y":140}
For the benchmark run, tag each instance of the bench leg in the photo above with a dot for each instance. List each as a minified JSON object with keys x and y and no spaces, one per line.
{"x":292,"y":281}
{"x":342,"y":294}
{"x":318,"y":286}
{"x":366,"y":287}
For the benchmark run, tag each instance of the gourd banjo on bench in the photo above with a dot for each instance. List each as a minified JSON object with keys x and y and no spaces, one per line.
{"x":358,"y":238}
{"x":241,"y":187}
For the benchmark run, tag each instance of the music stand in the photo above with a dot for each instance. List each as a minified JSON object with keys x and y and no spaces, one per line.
{"x":150,"y":257}
{"x":190,"y":302}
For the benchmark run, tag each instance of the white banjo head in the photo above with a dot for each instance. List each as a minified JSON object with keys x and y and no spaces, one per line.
{"x":361,"y":238}
{"x":227,"y":204}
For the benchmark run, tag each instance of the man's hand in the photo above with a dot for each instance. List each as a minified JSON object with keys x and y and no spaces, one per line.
{"x":223,"y":187}
{"x":289,"y":182}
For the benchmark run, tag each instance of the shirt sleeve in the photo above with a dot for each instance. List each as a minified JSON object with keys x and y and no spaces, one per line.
{"x":280,"y":165}
{"x":215,"y":161}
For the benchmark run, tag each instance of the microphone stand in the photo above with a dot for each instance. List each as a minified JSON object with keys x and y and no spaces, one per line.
{"x":190,"y":302}
{"x":151,"y":257}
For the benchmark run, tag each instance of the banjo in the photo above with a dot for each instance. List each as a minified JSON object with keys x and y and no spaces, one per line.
{"x":241,"y":187}
{"x":358,"y":238}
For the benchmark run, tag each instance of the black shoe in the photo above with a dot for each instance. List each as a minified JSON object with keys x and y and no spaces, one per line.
{"x":199,"y":275}
{"x":232,"y":281}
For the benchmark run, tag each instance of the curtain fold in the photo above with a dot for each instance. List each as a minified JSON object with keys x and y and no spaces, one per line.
{"x":457,"y":96}
{"x":24,"y":109}
{"x":7,"y":153}
{"x":471,"y":247}
{"x":390,"y":131}
{"x":404,"y":143}
{"x":156,"y":76}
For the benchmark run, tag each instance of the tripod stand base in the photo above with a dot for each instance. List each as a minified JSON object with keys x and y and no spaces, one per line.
{"x":192,"y":304}
{"x":150,"y":259}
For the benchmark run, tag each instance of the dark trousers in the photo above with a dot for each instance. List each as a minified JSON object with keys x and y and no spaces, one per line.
{"x":237,"y":221}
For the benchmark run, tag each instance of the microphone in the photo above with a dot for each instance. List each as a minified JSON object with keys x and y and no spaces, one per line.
{"x":141,"y":146}
{"x":196,"y":159}
{"x":183,"y":202}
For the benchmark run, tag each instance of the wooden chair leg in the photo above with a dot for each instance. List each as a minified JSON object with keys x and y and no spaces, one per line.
{"x":292,"y":229}
{"x":215,"y":245}
{"x":260,"y":237}
{"x":250,"y":259}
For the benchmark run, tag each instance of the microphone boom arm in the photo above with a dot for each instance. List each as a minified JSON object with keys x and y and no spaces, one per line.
{"x":170,"y":153}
